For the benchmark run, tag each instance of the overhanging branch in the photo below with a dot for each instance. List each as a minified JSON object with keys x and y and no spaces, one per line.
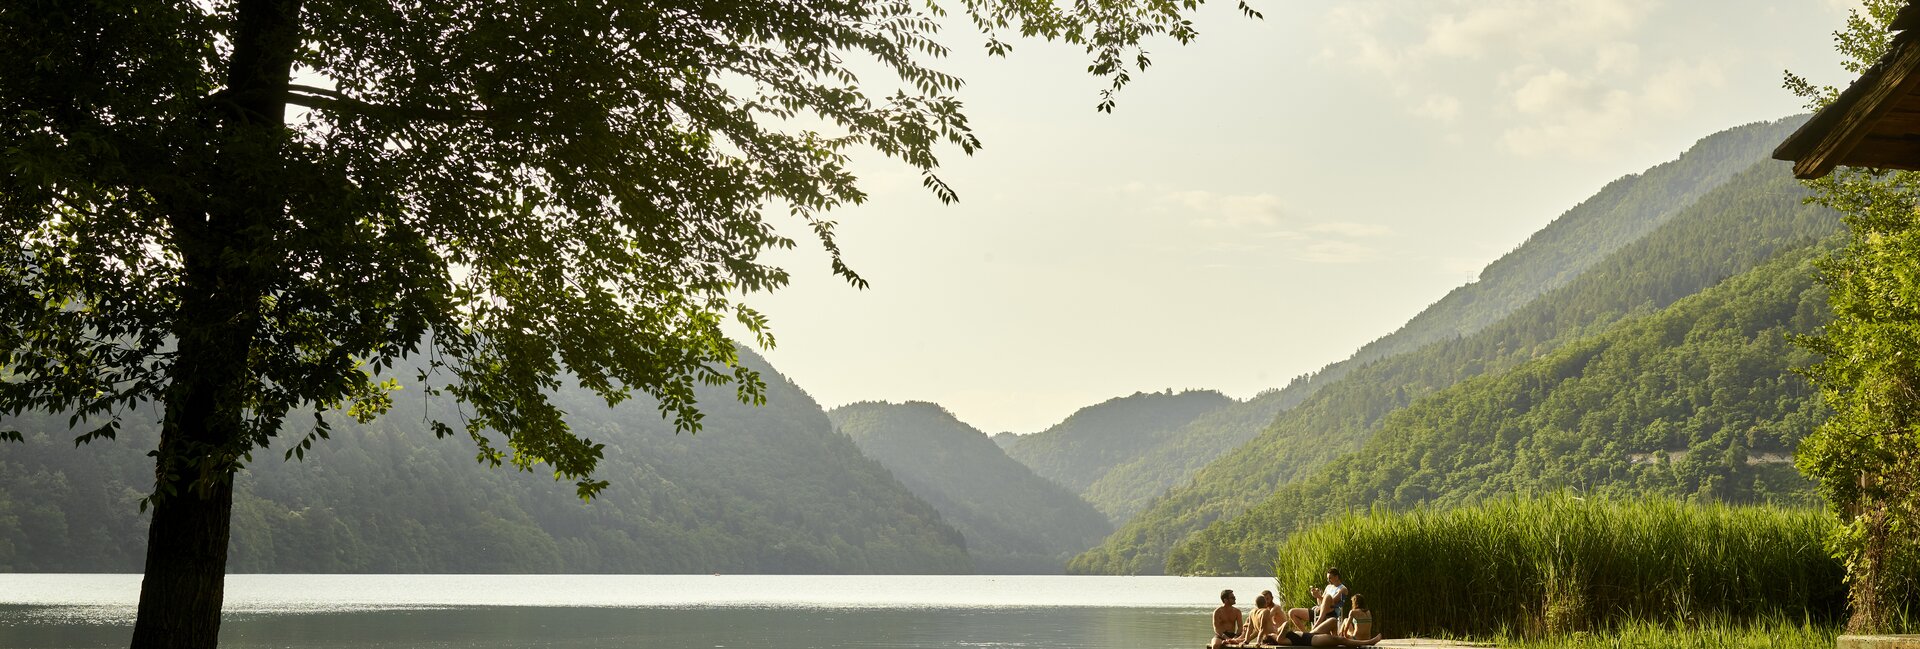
{"x":336,"y":101}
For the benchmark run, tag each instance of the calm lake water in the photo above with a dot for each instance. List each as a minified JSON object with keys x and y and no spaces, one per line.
{"x":665,"y":611}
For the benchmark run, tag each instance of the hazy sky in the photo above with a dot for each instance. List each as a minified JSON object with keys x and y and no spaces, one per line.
{"x":1263,"y":201}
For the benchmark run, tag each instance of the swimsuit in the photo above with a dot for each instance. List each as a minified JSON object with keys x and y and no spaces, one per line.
{"x":1298,"y":639}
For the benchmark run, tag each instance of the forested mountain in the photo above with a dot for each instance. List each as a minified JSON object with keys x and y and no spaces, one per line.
{"x":766,"y":489}
{"x":1698,"y":400}
{"x":1622,"y":212}
{"x":1014,"y":522}
{"x":1005,"y":439}
{"x":1175,"y":455}
{"x":1094,"y":439}
{"x":1735,"y":227}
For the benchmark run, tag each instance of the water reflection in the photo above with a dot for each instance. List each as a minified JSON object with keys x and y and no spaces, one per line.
{"x":704,"y":628}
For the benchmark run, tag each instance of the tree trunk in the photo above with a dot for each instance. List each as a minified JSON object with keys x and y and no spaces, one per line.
{"x":200,"y":445}
{"x":180,"y":598}
{"x":225,"y":266}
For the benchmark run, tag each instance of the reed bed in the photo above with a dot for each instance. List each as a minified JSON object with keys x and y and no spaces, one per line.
{"x":1561,"y":565}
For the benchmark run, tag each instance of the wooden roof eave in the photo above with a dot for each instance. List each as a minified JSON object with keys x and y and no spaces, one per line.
{"x":1831,"y":137}
{"x":1825,"y":141}
{"x":1908,"y":18}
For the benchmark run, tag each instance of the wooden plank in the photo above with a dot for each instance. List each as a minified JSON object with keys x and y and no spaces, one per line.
{"x":1879,"y":642}
{"x":1888,"y":157}
{"x":1896,"y":81}
{"x":1895,"y":124}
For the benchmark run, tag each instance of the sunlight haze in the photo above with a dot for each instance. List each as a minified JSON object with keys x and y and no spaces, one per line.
{"x":1263,"y":201}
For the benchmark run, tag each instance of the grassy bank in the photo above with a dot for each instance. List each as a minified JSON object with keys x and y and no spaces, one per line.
{"x":1557,"y":566}
{"x":1757,"y":635}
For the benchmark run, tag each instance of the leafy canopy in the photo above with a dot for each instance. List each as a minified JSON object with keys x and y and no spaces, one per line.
{"x":1866,"y":456}
{"x":493,"y":195}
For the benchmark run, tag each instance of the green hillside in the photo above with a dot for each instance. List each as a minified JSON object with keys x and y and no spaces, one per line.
{"x":759,"y":490}
{"x":1014,"y":522}
{"x":1091,"y":441}
{"x":1622,"y":212}
{"x":1730,"y":230}
{"x":1696,"y":401}
{"x":1176,"y":455}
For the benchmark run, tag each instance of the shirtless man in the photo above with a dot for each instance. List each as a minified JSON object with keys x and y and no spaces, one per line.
{"x":1264,"y":628}
{"x":1226,"y":622}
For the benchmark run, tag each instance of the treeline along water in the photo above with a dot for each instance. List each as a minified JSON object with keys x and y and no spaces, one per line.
{"x":769,"y":489}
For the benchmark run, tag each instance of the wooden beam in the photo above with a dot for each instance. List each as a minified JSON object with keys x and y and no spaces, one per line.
{"x":1886,"y":153}
{"x":1894,"y":83}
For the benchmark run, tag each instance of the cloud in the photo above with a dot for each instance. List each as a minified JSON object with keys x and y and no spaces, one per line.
{"x":1390,"y":35}
{"x":1217,"y":210}
{"x":1475,"y":29}
{"x":1351,"y":229}
{"x":1544,"y":76}
{"x":1583,"y":115}
{"x":1556,"y":91}
{"x":1255,"y":227}
{"x":1338,"y":252}
{"x":1439,"y":107}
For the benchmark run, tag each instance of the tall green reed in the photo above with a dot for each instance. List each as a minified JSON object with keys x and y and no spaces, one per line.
{"x":1561,"y":564}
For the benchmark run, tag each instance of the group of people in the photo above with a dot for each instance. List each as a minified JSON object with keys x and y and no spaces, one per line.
{"x":1337,"y":618}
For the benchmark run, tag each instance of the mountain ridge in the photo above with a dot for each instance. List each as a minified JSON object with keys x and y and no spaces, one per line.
{"x":1338,"y":422}
{"x":1013,"y":520}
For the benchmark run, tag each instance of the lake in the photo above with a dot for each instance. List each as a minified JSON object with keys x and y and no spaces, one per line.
{"x":664,"y":611}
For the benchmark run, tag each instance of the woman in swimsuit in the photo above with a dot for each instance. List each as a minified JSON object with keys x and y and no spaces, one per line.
{"x":1359,"y":621}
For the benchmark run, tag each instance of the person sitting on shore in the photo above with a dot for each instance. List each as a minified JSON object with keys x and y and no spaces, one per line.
{"x":1227,"y":622}
{"x":1297,"y":639}
{"x":1257,"y":618}
{"x":1264,"y":627}
{"x":1359,"y":622}
{"x":1333,"y":602}
{"x":1302,"y":619}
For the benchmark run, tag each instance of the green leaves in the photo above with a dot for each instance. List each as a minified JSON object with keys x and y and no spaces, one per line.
{"x":1866,"y":456}
{"x":504,"y":198}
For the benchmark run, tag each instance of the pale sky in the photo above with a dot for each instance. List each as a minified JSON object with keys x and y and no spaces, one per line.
{"x":1263,"y":201}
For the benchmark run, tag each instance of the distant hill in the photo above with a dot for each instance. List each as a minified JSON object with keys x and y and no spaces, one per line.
{"x":1014,"y":522}
{"x":1177,"y":454}
{"x":1698,"y":400}
{"x":771,"y":489}
{"x":1735,"y":227}
{"x":1083,"y":447}
{"x":1623,"y":211}
{"x":1004,"y":440}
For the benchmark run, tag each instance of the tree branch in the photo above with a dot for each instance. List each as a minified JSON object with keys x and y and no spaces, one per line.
{"x":334,"y":100}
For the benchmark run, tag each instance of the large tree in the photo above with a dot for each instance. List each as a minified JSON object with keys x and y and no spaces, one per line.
{"x":245,"y":209}
{"x":1866,"y":456}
